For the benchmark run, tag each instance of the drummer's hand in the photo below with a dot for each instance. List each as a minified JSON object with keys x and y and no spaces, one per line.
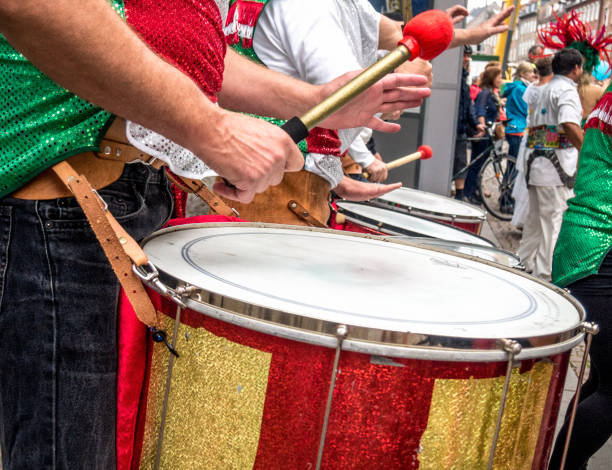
{"x":353,"y":190}
{"x":418,"y":66}
{"x":377,"y":170}
{"x":395,"y":91}
{"x":251,"y":154}
{"x":457,"y":13}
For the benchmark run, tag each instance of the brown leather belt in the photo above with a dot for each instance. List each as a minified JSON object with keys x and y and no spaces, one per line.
{"x":105,"y":167}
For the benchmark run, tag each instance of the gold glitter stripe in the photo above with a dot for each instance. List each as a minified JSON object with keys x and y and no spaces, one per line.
{"x":215,"y":405}
{"x":462,"y":420}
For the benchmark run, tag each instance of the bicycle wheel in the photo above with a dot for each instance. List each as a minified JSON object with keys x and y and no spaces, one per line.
{"x":496,"y":180}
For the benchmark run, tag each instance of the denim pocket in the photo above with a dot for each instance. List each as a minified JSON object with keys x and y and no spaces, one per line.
{"x":6,"y":223}
{"x":125,"y":199}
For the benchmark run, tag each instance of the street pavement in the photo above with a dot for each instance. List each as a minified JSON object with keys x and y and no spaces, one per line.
{"x":505,"y":236}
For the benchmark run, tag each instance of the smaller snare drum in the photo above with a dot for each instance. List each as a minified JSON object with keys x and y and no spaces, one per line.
{"x":381,"y":221}
{"x":435,"y":207}
{"x":494,"y":255}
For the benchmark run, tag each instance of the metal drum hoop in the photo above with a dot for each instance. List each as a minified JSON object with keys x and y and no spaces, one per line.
{"x":394,"y":230}
{"x":440,"y":243}
{"x":419,"y":211}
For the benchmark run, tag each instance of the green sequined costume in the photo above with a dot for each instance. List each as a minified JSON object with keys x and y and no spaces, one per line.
{"x":41,"y":123}
{"x":586,"y":233}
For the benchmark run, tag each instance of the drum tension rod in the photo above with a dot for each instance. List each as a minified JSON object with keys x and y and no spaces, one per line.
{"x":513,"y":348}
{"x":341,"y":333}
{"x":160,"y":336}
{"x":591,"y":329}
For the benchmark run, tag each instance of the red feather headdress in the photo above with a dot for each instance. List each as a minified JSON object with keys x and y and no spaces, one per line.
{"x":571,"y":31}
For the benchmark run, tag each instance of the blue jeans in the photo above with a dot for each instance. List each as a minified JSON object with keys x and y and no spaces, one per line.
{"x":514,"y":143}
{"x":58,"y":324}
{"x":593,"y":425}
{"x":471,"y":180}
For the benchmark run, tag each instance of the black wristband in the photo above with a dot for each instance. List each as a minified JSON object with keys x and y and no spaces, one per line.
{"x":296,"y":129}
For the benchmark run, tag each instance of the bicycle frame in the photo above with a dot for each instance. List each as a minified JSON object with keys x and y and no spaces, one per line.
{"x":491,"y":149}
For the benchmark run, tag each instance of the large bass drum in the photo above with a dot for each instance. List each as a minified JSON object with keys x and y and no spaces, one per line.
{"x":435,"y":207}
{"x":307,"y":348}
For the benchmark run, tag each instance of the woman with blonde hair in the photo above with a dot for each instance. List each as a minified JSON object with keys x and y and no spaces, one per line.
{"x":516,"y":107}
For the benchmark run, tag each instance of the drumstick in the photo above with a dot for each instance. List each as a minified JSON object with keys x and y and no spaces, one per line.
{"x":423,"y":153}
{"x":426,"y":35}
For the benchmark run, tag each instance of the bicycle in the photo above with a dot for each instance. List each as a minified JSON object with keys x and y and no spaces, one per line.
{"x":496,"y":177}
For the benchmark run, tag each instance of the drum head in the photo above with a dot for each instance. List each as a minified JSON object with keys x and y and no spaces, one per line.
{"x":394,"y":222}
{"x":364,"y":282}
{"x":422,"y":201}
{"x":494,"y":255}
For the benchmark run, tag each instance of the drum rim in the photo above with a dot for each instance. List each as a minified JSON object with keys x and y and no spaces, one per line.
{"x":442,"y":215}
{"x":374,"y":224}
{"x":362,"y":339}
{"x":519,"y":264}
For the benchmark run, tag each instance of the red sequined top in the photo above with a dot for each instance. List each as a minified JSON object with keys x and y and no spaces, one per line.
{"x":187,"y":33}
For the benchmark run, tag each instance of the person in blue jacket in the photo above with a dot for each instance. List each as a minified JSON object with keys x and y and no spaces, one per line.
{"x":516,"y":107}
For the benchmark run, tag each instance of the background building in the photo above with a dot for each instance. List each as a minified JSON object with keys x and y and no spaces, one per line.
{"x":537,"y":14}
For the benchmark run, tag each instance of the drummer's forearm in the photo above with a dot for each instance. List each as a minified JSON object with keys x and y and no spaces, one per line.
{"x":91,"y":51}
{"x":389,"y":33}
{"x":252,"y":88}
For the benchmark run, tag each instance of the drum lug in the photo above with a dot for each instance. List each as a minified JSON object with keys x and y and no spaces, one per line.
{"x":149,"y":275}
{"x":590,"y":328}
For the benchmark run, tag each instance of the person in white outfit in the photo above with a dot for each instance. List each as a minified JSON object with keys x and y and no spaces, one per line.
{"x":519,"y":191}
{"x":553,"y":144}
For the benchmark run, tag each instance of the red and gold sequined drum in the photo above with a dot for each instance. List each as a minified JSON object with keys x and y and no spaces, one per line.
{"x":365,"y":218}
{"x":296,"y":354}
{"x":435,"y":207}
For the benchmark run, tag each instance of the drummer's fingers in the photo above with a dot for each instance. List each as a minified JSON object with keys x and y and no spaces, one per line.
{"x":232,"y":192}
{"x":406,"y":94}
{"x":385,"y":188}
{"x":394,"y":80}
{"x":378,"y":124}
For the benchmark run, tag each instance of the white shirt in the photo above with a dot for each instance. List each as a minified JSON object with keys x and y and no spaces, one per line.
{"x":317,"y":41}
{"x":558,"y":102}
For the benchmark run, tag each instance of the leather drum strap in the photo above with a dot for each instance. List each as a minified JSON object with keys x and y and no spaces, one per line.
{"x":119,"y":247}
{"x":197,"y":187}
{"x":303,"y":214}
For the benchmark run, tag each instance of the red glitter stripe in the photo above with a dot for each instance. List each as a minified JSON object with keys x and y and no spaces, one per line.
{"x":323,"y":141}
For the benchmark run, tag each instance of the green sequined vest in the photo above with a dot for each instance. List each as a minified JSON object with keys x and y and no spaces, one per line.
{"x":586,"y":233}
{"x":41,"y":123}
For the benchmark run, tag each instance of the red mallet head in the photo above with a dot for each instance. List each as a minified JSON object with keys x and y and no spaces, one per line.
{"x":432,"y":30}
{"x":425,"y":151}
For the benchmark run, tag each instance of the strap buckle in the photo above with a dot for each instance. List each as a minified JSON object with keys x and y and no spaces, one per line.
{"x":149,"y":275}
{"x":104,"y":203}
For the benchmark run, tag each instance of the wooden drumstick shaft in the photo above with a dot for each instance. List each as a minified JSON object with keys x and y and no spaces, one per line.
{"x":424,"y":153}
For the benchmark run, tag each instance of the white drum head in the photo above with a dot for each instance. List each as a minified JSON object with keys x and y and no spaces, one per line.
{"x":360,"y":281}
{"x":407,"y":224}
{"x":423,"y":201}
